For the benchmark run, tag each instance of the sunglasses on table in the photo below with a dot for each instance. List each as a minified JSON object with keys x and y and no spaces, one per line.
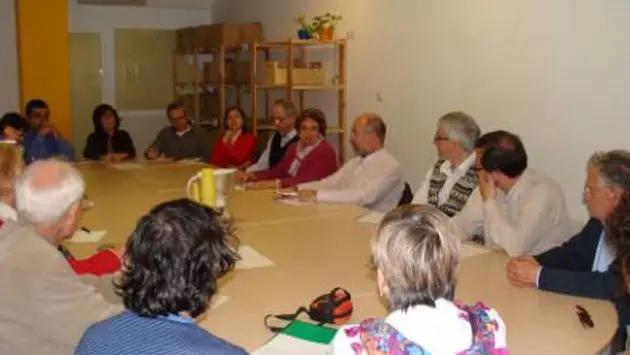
{"x":584,"y":317}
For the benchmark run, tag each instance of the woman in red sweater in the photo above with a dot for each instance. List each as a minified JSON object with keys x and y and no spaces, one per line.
{"x":237,"y":147}
{"x":309,"y":159}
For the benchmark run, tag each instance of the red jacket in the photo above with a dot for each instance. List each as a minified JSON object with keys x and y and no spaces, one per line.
{"x":234,"y":155}
{"x":101,"y":263}
{"x":318,"y":164}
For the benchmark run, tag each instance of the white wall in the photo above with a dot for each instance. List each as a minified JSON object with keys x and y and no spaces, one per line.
{"x":142,"y":125}
{"x":555,"y":72}
{"x":9,"y":84}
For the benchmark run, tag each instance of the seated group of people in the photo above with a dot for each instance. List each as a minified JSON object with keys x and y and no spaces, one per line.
{"x":172,"y":260}
{"x":480,"y":189}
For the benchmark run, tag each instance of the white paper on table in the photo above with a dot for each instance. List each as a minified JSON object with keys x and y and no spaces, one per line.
{"x":286,"y":345}
{"x":191,"y":162}
{"x":292,"y":202}
{"x":372,"y":217}
{"x":251,"y":259}
{"x":218,"y":300}
{"x":87,"y":204}
{"x":82,"y":236}
{"x":128,"y":166}
{"x":239,"y":187}
{"x":469,"y":250}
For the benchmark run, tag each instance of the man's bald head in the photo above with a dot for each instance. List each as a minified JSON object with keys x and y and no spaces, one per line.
{"x":368,"y":133}
{"x":47,"y":190}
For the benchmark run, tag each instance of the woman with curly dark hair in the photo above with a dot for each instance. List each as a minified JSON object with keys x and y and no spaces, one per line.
{"x":171,"y":266}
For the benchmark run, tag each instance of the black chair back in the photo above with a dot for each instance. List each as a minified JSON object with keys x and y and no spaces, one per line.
{"x":407,"y":196}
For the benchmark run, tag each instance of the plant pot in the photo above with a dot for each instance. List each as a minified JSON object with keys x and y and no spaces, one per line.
{"x":303,"y":33}
{"x":326,"y":33}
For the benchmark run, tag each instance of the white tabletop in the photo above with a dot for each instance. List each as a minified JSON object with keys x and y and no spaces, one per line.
{"x":315,"y":248}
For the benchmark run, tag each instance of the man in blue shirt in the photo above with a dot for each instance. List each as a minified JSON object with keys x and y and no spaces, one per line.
{"x":173,"y":260}
{"x":43,"y":140}
{"x":587,"y":265}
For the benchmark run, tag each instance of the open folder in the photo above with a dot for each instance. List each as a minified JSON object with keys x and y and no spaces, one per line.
{"x":299,"y":338}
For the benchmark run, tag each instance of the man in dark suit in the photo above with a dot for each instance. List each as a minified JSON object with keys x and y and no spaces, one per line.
{"x":587,"y":264}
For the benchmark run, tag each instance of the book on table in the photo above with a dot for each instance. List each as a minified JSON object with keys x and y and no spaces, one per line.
{"x":299,"y":338}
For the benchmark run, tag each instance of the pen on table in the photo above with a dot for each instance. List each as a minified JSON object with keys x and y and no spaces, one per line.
{"x":86,"y":230}
{"x":65,"y":252}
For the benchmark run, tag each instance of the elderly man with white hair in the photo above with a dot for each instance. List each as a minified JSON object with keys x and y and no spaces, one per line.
{"x":452,"y":179}
{"x":46,"y":306}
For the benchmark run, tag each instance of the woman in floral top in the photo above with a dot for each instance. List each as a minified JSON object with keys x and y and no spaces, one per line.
{"x":416,"y":254}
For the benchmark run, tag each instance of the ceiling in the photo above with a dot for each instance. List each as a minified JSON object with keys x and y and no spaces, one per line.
{"x":171,"y":4}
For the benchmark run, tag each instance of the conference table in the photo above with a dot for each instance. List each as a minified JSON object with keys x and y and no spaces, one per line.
{"x":314,"y":248}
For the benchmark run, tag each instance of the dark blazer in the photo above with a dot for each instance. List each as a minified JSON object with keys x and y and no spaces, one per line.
{"x":96,"y":146}
{"x":567,"y":269}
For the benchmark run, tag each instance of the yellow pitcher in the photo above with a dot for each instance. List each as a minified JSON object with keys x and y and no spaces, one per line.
{"x":210,"y":186}
{"x":202,"y":189}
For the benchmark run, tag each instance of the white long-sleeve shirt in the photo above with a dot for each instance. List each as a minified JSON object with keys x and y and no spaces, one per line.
{"x":530,"y":219}
{"x":421,"y":197}
{"x":374,"y":182}
{"x":263,"y":161}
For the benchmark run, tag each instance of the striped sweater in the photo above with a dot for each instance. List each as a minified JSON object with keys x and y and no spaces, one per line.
{"x":130,"y":334}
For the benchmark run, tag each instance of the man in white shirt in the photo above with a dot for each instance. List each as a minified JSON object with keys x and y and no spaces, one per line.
{"x":452,"y":179}
{"x":283,"y":114}
{"x":372,"y":179}
{"x":517,"y":210}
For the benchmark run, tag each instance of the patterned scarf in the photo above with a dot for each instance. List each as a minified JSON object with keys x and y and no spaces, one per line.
{"x":300,"y":154}
{"x":380,"y":338}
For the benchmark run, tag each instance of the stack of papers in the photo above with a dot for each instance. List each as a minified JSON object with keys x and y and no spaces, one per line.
{"x":299,"y":338}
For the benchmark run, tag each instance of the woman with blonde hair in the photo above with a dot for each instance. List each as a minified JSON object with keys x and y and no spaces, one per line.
{"x":415,"y":252}
{"x":11,"y":166}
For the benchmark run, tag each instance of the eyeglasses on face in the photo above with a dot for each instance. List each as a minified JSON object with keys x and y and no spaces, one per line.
{"x":438,"y":137}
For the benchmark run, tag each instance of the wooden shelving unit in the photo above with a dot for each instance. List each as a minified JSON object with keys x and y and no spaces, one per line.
{"x":258,"y":53}
{"x":198,"y":85}
{"x":290,"y":47}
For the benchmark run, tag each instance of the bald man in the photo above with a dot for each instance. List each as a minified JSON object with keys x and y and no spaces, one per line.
{"x":46,"y":306}
{"x":372,"y":179}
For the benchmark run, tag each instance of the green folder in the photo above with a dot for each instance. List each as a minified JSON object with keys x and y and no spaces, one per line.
{"x":310,"y":332}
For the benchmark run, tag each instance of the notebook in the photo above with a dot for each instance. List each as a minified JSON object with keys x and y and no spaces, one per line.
{"x":299,"y":338}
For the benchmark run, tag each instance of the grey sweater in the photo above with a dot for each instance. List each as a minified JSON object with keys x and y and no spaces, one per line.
{"x":193,"y":144}
{"x":46,"y":306}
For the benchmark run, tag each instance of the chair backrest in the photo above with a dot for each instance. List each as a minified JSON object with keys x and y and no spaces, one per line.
{"x":407,"y":196}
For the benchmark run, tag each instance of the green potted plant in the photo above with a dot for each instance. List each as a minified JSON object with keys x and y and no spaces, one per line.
{"x":324,"y":25}
{"x":306,"y":30}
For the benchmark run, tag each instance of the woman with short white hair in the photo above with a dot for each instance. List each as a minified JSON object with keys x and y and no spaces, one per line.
{"x":415,"y":252}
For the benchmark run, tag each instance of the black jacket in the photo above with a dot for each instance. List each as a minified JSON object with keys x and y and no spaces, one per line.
{"x":567,"y":269}
{"x":96,"y":146}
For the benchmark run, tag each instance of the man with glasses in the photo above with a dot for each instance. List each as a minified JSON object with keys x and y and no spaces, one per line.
{"x":43,"y":140}
{"x":587,"y":265}
{"x":449,"y":183}
{"x":517,"y":209}
{"x":283,"y":114}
